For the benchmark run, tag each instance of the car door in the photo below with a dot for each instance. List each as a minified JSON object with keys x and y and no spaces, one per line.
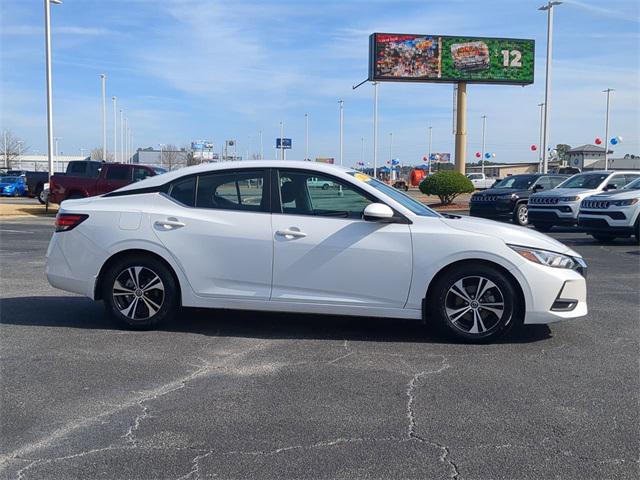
{"x":217,"y":225}
{"x":325,"y":253}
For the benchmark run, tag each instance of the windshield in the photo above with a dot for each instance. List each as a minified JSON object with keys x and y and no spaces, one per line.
{"x":635,"y":185}
{"x":521,"y":182}
{"x":399,"y":196}
{"x":159,"y":170}
{"x":8,"y":179}
{"x":584,"y":180}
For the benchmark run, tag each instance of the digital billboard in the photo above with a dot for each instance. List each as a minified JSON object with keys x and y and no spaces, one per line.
{"x":438,"y":58}
{"x":283,"y":143}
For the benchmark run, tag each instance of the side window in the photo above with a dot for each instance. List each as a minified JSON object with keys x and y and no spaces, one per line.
{"x":140,"y":174}
{"x":630,"y":177}
{"x":544,"y":182}
{"x":242,"y":190}
{"x":184,"y":191}
{"x":117,"y":173}
{"x":555,"y":181}
{"x":618,"y":180}
{"x":307,"y":193}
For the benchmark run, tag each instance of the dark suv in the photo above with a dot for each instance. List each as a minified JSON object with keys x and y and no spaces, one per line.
{"x":508,"y":198}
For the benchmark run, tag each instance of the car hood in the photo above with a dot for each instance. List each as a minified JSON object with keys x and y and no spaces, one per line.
{"x":510,"y":234}
{"x":617,"y":195}
{"x":566,"y":192}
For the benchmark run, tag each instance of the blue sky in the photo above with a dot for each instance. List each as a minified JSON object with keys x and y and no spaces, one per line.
{"x":215,"y":70}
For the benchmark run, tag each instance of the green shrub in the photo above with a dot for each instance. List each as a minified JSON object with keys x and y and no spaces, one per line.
{"x":446,"y":185}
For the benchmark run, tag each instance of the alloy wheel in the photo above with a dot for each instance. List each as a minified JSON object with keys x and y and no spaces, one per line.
{"x":475,"y":305}
{"x":138,"y":292}
{"x":523,"y":215}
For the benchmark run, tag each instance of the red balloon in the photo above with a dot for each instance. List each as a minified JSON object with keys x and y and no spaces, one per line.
{"x":534,"y":148}
{"x":478,"y":154}
{"x":598,"y":141}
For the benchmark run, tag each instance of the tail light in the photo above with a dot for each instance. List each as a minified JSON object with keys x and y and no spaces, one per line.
{"x":69,"y":221}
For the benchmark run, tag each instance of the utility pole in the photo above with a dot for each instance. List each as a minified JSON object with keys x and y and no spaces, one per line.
{"x":47,"y":40}
{"x":306,"y":136}
{"x":547,"y":84}
{"x":429,"y":152}
{"x":103,"y":81}
{"x":115,"y":130}
{"x":484,"y":127}
{"x":126,"y":133}
{"x":341,"y":102}
{"x":121,"y":127}
{"x":606,"y":129}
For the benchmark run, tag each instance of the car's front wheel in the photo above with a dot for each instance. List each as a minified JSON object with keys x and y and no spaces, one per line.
{"x":139,"y":292}
{"x":474,"y":303}
{"x":325,"y":186}
{"x":521,"y":215}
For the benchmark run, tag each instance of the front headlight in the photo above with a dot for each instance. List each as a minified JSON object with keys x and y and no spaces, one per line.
{"x":514,"y":196}
{"x":570,"y":199}
{"x":624,"y":203}
{"x":550,"y":259}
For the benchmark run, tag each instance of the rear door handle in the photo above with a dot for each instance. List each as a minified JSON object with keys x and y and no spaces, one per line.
{"x":289,"y":234}
{"x":169,"y":224}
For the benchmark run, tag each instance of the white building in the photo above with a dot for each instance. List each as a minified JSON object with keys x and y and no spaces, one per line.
{"x":40,"y":163}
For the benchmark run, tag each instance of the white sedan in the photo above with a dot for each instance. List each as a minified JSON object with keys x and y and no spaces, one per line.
{"x":254,"y":235}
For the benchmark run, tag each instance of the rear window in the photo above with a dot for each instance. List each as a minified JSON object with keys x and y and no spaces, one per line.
{"x":184,"y":191}
{"x":83,"y":169}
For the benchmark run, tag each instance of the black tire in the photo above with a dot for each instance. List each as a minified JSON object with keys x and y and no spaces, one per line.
{"x":521,"y":215}
{"x":543,"y":227}
{"x":39,"y":194}
{"x":497,"y":293}
{"x":406,"y":189}
{"x":603,"y":237}
{"x":147,"y":293}
{"x":325,"y":186}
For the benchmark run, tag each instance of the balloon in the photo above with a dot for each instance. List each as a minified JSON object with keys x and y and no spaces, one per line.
{"x":619,"y":139}
{"x":493,"y":155}
{"x":487,"y":155}
{"x":478,"y":154}
{"x":534,"y":148}
{"x":598,"y":140}
{"x":614,"y":141}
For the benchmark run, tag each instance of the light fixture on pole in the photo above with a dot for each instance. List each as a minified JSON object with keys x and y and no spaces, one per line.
{"x":375,"y":129}
{"x":47,"y":36}
{"x":547,"y":84}
{"x":484,"y":127}
{"x":429,"y":152}
{"x":115,"y":129}
{"x":103,"y":82}
{"x":541,"y":105}
{"x":606,"y":129}
{"x":341,"y":103}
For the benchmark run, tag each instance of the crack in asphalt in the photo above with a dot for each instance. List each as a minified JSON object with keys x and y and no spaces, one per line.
{"x":350,"y":352}
{"x":411,"y":430}
{"x":195,"y":466}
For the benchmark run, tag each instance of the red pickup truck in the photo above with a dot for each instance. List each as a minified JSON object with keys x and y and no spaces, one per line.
{"x":88,"y":178}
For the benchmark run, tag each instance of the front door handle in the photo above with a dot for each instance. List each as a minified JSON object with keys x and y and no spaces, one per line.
{"x":169,"y":224}
{"x":290,"y":234}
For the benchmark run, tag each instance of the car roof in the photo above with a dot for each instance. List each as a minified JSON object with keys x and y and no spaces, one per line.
{"x":221,"y":166}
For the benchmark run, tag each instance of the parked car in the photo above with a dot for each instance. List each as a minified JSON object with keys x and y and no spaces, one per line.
{"x":12,"y":186}
{"x":615,"y":213}
{"x":560,"y":206}
{"x":319,"y":183}
{"x":401,"y":185}
{"x":34,"y":180}
{"x":200,"y":237}
{"x":85,"y":178}
{"x":480,"y":180}
{"x":508,"y":198}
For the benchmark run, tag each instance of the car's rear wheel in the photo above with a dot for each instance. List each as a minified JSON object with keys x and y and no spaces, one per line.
{"x":603,"y":237}
{"x":521,"y":215}
{"x":325,"y":186}
{"x":474,"y":303}
{"x":40,"y":195}
{"x":543,"y":227}
{"x":139,"y":292}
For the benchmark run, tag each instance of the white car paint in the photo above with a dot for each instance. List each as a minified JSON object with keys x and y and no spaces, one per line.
{"x":297,"y":263}
{"x":481,"y":181}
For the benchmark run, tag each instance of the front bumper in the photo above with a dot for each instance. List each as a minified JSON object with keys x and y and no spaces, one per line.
{"x":491,"y":210}
{"x":602,"y":225}
{"x":553,"y":215}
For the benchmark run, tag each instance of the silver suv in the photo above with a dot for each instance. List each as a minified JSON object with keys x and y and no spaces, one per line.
{"x":561,"y":205}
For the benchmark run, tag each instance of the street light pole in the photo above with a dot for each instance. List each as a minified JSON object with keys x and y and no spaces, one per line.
{"x":547,"y":84}
{"x":341,"y":102}
{"x":47,"y":36}
{"x":103,"y":81}
{"x":306,"y":136}
{"x":606,"y":129}
{"x":56,"y":150}
{"x":121,"y":127}
{"x":362,"y":153}
{"x":160,"y":145}
{"x":115,"y":130}
{"x":541,"y":105}
{"x":391,"y":176}
{"x":126,"y":133}
{"x":375,"y":129}
{"x":281,"y":140}
{"x":261,"y":146}
{"x":429,"y":152}
{"x":484,"y":127}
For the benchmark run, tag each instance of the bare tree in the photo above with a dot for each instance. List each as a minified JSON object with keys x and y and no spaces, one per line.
{"x":13,"y":148}
{"x":171,"y":157}
{"x":96,"y":154}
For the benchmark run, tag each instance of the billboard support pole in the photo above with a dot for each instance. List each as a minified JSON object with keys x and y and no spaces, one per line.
{"x":375,"y":129}
{"x":461,"y":127}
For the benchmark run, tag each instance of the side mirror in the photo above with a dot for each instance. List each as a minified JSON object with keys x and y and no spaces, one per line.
{"x":377,"y":211}
{"x":538,"y":187}
{"x":611,"y":186}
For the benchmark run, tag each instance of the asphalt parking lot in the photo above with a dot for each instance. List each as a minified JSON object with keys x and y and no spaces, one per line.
{"x":222,"y":394}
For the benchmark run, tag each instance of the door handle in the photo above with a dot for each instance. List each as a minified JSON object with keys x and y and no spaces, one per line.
{"x":169,"y":224}
{"x":289,"y":234}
